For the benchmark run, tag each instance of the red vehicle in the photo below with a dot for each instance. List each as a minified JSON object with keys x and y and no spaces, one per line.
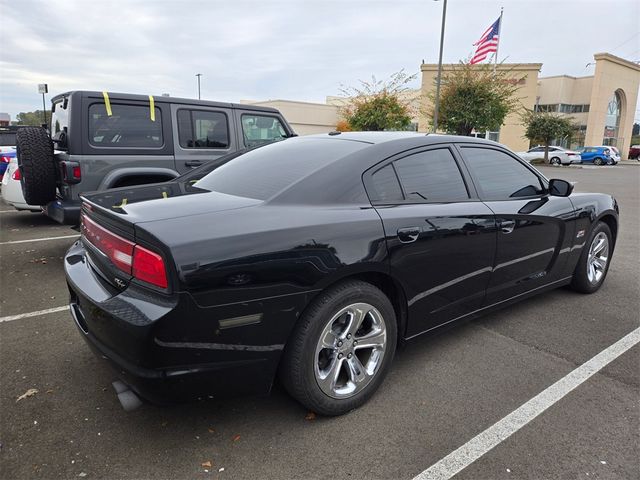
{"x":634,"y":152}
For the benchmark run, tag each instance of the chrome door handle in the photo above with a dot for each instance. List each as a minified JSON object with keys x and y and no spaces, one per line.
{"x":507,"y":226}
{"x":408,"y":234}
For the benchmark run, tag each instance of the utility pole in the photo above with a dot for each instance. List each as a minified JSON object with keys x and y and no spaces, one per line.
{"x":198,"y":75}
{"x":437,"y":105}
{"x":43,"y":88}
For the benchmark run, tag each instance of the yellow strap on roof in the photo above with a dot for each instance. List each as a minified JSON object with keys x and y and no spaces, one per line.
{"x":152,"y":109}
{"x":122,"y":205}
{"x":107,"y":103}
{"x":164,"y":195}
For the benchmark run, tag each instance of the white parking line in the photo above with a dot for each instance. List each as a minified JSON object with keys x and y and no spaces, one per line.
{"x":475,"y":448}
{"x":39,"y":239}
{"x":33,"y":314}
{"x":7,"y":211}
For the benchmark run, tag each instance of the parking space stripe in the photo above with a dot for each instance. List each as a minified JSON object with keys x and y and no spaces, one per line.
{"x":475,"y":448}
{"x":33,"y":314}
{"x":39,"y":239}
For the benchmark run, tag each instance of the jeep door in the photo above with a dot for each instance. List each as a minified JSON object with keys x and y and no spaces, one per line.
{"x":440,"y":237}
{"x":535,"y":229}
{"x":201,"y":134}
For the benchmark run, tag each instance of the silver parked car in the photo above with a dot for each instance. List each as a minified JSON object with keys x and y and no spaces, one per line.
{"x":557,"y":155}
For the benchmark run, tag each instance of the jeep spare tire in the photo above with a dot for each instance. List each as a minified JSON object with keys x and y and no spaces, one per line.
{"x":34,"y":150}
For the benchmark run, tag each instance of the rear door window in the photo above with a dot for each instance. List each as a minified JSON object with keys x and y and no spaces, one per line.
{"x":431,"y":176}
{"x":261,"y":129}
{"x":202,"y":129}
{"x":128,"y":126}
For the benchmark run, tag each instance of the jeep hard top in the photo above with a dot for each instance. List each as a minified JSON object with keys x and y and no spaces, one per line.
{"x":102,"y":140}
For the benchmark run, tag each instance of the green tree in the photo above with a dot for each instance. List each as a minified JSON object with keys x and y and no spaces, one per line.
{"x":475,"y":97}
{"x":546,"y":127}
{"x":379,"y":104}
{"x":32,"y":118}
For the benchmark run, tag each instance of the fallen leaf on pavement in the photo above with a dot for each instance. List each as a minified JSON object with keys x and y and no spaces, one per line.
{"x":211,"y":430}
{"x":310,"y":416}
{"x":29,"y":393}
{"x":206,"y":464}
{"x":236,"y":438}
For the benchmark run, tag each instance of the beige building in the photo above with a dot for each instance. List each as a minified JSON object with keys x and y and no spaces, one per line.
{"x":305,"y":118}
{"x":602,"y":105}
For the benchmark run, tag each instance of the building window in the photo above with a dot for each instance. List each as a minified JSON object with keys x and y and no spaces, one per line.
{"x":562,"y":108}
{"x":612,"y":121}
{"x":493,"y":136}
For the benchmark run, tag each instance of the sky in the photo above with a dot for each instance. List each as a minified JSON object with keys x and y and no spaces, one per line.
{"x":289,"y":49}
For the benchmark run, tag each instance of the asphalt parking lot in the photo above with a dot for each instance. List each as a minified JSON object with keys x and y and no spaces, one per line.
{"x":441,"y":392}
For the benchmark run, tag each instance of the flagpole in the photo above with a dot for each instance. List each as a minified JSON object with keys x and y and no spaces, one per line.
{"x":495,"y":60}
{"x":437,"y":102}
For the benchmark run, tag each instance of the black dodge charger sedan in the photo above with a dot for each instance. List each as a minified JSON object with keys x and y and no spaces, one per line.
{"x":312,"y":258}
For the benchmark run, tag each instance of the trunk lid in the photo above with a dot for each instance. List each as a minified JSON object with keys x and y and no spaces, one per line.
{"x":124,"y":211}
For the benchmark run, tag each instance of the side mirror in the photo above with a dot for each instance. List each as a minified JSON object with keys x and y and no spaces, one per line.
{"x":560,"y":188}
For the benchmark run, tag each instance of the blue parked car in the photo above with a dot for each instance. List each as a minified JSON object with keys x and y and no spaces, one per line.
{"x":596,"y":155}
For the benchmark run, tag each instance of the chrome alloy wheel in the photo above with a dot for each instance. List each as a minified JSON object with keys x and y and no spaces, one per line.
{"x":350,"y":350}
{"x":598,"y":257}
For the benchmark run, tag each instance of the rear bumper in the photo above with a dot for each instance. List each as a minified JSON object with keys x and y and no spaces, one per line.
{"x":66,"y":212}
{"x":166,"y":349}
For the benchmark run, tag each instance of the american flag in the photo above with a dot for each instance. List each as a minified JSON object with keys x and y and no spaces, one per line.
{"x":487,"y":44}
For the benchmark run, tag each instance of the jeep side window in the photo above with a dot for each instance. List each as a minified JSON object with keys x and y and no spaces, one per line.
{"x":261,"y":129}
{"x":202,"y":129}
{"x":127,"y":126}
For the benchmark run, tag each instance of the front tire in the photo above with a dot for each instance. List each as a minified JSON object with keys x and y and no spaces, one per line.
{"x":597,"y":161}
{"x":594,"y":261}
{"x":555,"y":161}
{"x":341,"y":348}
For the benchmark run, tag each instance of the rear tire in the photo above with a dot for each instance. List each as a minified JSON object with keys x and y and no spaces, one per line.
{"x":324,"y":367}
{"x":34,"y":150}
{"x":594,"y":261}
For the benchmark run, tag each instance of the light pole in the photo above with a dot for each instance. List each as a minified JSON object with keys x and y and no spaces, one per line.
{"x":198,"y":75}
{"x":437,"y":105}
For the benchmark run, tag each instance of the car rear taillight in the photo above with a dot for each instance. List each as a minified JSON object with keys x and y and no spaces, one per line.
{"x":148,"y":266}
{"x":127,"y":256}
{"x":116,"y":248}
{"x":16,"y":175}
{"x":71,"y":172}
{"x":4,"y":159}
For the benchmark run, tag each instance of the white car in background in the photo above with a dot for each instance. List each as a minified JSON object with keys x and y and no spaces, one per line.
{"x":614,"y":153}
{"x":12,"y":190}
{"x":557,"y":155}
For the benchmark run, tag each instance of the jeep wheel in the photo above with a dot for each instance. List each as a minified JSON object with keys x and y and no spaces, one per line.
{"x":34,"y":150}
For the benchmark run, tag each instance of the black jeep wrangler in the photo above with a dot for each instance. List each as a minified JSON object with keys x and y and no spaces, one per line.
{"x":101,"y":140}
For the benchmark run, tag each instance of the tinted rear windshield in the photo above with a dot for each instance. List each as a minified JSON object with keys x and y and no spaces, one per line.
{"x":263,"y":172}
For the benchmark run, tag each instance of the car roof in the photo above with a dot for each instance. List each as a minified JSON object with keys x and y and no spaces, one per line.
{"x":163,"y":99}
{"x":343,"y":174}
{"x":376,"y":138}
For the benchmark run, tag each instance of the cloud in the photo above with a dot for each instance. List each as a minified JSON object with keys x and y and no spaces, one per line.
{"x":301,"y":50}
